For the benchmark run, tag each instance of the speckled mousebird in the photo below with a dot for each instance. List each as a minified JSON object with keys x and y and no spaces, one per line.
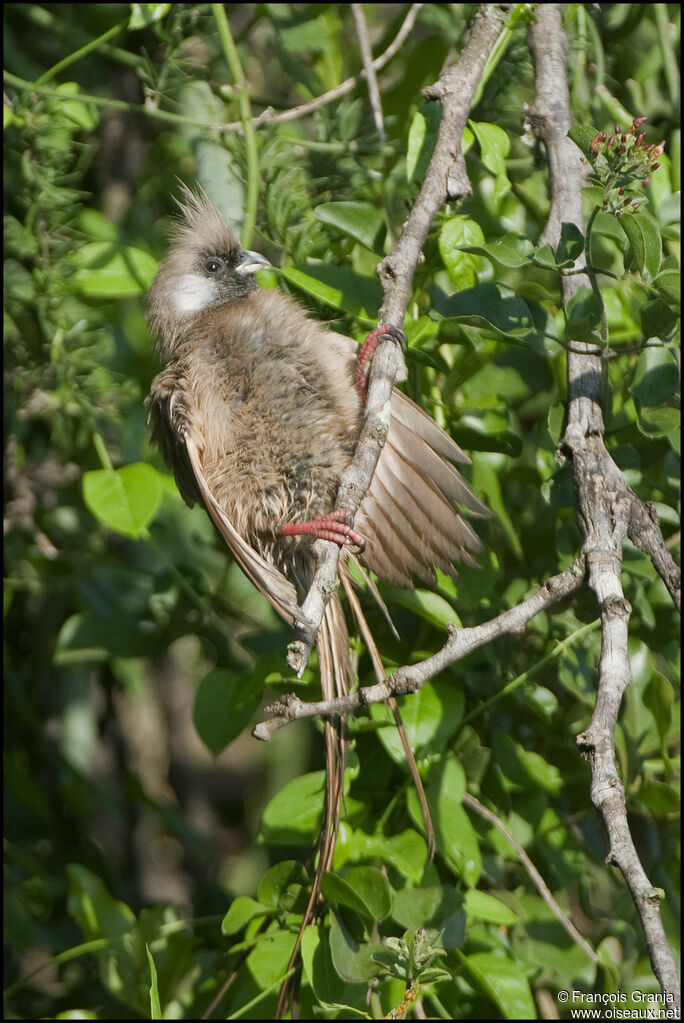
{"x":257,"y":411}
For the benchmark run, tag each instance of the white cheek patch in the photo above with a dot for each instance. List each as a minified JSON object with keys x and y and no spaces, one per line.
{"x":194,"y":294}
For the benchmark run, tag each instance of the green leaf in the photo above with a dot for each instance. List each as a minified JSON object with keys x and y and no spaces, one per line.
{"x":339,"y":287}
{"x":282,"y":886}
{"x":95,"y":911}
{"x":155,"y":1005}
{"x":504,"y":982}
{"x":525,"y":769}
{"x":125,"y":500}
{"x":225,"y":703}
{"x":510,"y":250}
{"x":143,"y":15}
{"x":84,"y":115}
{"x":242,"y":910}
{"x":406,"y":852}
{"x":669,"y":284}
{"x":661,"y":798}
{"x":319,"y":968}
{"x":658,"y":318}
{"x":294,"y":814}
{"x":656,"y":377}
{"x":481,"y":906}
{"x":430,"y":716}
{"x":555,"y":420}
{"x":103,"y":270}
{"x":457,"y":234}
{"x":352,"y":959}
{"x":439,"y":907}
{"x":659,"y":698}
{"x":426,"y":604}
{"x":421,"y":140}
{"x":493,"y":307}
{"x":457,"y":842}
{"x":495,"y":146}
{"x":267,"y":962}
{"x":570,"y":246}
{"x":90,"y":637}
{"x":487,"y":431}
{"x":583,"y":135}
{"x":363,"y":889}
{"x":361,"y":221}
{"x":643,"y":235}
{"x":583,"y":316}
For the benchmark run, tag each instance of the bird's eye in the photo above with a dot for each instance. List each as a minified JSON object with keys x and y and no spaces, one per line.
{"x":213,"y":265}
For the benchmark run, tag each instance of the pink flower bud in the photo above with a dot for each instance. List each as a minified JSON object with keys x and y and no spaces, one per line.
{"x":635,"y":207}
{"x":621,"y":191}
{"x":654,"y":166}
{"x":641,"y":138}
{"x":638,"y":121}
{"x":628,"y":200}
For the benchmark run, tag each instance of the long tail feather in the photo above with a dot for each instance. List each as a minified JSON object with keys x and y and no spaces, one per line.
{"x":332,"y":644}
{"x":379,"y":669}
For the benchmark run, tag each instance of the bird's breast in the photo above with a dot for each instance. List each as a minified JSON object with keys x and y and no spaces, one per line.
{"x":276,"y":439}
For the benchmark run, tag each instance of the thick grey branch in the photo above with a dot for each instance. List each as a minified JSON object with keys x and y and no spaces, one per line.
{"x":445,"y":179}
{"x":607,"y":509}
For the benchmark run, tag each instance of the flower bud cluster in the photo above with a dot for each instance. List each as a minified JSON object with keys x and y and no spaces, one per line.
{"x":621,"y":159}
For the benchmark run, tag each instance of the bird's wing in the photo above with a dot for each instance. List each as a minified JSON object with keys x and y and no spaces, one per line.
{"x":411,"y":516}
{"x":176,"y":432}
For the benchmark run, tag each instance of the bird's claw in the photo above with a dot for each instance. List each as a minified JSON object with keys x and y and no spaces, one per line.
{"x":336,"y":526}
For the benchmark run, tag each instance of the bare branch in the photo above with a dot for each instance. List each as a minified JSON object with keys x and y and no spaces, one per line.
{"x":644,"y":532}
{"x":294,"y":113}
{"x":411,"y":678}
{"x":368,"y":69}
{"x":605,"y":504}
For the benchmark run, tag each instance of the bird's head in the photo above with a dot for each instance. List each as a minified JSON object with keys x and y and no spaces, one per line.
{"x":205,"y":267}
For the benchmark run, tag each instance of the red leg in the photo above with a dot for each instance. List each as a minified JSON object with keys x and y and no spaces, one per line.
{"x":334,"y":526}
{"x":366,"y":352}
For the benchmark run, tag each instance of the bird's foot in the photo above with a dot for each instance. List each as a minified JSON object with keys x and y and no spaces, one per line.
{"x":335,"y":526}
{"x":366,"y":352}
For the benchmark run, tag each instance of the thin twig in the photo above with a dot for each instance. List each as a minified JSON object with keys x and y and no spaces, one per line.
{"x":294,"y":113}
{"x":534,"y":875}
{"x":369,"y":70}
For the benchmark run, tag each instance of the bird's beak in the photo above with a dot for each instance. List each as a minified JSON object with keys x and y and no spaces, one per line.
{"x":251,"y":262}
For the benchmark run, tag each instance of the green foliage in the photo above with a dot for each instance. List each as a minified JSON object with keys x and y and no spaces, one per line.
{"x":145,"y":866}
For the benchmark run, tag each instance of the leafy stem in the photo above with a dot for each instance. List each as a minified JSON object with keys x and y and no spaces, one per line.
{"x":233,"y":60}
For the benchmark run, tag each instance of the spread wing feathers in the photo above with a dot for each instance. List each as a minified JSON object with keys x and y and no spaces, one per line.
{"x":267,"y":579}
{"x":409,"y":516}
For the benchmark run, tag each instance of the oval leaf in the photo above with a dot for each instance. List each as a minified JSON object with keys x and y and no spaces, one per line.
{"x":644,"y":241}
{"x":359,"y":220}
{"x":504,"y":982}
{"x":125,"y":500}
